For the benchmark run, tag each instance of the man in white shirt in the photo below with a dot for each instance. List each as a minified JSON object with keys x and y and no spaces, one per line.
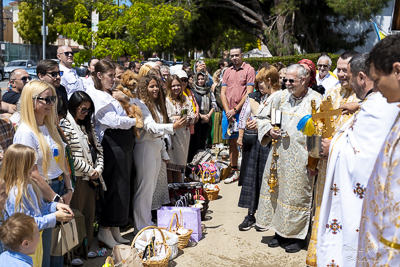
{"x":70,"y":79}
{"x":324,"y":78}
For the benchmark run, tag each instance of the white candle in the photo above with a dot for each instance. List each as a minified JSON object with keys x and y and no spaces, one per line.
{"x":273,"y":116}
{"x":278,"y":117}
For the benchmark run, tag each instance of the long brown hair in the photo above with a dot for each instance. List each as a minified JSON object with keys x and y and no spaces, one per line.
{"x":103,"y":66}
{"x":181,"y":96}
{"x":152,"y":104}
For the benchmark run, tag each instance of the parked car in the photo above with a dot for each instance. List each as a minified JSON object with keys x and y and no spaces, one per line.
{"x":18,"y":64}
{"x":81,"y":71}
{"x":32,"y":73}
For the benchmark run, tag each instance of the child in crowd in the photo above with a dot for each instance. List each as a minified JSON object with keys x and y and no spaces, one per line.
{"x":26,"y":197}
{"x":20,"y":235}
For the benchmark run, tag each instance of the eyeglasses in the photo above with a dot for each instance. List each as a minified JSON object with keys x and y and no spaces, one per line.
{"x":69,"y":53}
{"x":184,"y":80}
{"x":288,"y":80}
{"x":54,"y":74}
{"x":23,"y":79}
{"x":322,"y":66}
{"x":85,"y":110}
{"x":49,"y":99}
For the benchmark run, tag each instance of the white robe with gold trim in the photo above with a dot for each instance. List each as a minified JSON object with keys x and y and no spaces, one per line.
{"x":352,"y":155}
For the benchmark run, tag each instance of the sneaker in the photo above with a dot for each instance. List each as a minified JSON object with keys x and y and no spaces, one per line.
{"x":92,"y":255}
{"x":77,"y":262}
{"x":260,"y":228}
{"x":249,"y":221}
{"x":233,"y":177}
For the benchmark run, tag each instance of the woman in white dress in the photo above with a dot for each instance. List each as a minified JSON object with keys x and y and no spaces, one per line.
{"x":150,"y":148}
{"x":178,"y":106}
{"x":114,"y":131}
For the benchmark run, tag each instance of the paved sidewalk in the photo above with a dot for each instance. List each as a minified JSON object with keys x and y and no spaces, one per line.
{"x":223,"y":244}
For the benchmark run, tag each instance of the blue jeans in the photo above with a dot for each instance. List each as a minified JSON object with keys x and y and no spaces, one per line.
{"x":52,"y":261}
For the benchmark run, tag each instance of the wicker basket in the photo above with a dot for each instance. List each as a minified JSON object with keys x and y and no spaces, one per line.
{"x":154,"y":263}
{"x":183,"y":239}
{"x":211,"y":194}
{"x":109,"y":262}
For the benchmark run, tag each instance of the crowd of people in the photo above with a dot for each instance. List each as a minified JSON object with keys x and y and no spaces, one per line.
{"x":72,"y":143}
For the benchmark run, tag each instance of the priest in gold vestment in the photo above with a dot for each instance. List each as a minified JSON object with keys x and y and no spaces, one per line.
{"x":287,"y":209}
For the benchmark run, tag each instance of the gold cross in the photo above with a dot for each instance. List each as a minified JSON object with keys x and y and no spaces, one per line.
{"x":325,"y":114}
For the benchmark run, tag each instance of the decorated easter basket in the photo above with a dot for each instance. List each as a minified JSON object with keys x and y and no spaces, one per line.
{"x":154,"y":263}
{"x":183,"y":238}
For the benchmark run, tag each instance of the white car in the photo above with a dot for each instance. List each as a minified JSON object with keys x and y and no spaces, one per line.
{"x":17,"y":64}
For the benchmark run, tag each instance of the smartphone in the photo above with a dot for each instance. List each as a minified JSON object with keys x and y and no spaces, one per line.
{"x":183,"y":113}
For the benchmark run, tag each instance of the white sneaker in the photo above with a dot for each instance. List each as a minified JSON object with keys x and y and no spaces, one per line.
{"x":92,"y":255}
{"x":76,"y":262}
{"x":233,"y":177}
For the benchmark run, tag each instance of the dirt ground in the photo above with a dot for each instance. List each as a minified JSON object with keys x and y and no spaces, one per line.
{"x":222,"y":243}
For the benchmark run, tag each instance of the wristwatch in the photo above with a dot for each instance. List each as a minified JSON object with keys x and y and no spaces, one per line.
{"x":56,"y":198}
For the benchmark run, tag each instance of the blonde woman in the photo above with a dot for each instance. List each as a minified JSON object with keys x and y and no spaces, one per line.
{"x":26,"y":197}
{"x":144,"y":70}
{"x":38,"y":130}
{"x":177,"y":104}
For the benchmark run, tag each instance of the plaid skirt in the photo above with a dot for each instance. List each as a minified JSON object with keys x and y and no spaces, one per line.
{"x":253,"y":177}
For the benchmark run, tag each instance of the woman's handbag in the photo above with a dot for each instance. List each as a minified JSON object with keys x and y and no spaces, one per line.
{"x":249,"y":137}
{"x":64,"y":238}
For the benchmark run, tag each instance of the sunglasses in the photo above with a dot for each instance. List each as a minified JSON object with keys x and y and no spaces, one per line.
{"x":54,"y":74}
{"x":23,"y":79}
{"x":85,"y":110}
{"x":69,"y":53}
{"x":288,"y":80}
{"x":322,"y":66}
{"x":184,"y":80}
{"x":49,"y":99}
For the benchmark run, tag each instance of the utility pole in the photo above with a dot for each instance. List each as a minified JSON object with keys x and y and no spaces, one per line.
{"x":44,"y":32}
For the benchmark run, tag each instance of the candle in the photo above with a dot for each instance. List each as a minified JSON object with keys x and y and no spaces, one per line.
{"x":278,"y":117}
{"x":273,"y":116}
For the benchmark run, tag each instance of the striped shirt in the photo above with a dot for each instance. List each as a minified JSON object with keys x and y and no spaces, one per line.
{"x":82,"y":168}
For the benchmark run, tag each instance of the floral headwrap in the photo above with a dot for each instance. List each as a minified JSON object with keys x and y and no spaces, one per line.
{"x":309,"y":65}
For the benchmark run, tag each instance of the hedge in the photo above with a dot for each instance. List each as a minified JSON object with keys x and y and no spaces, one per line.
{"x":255,"y":62}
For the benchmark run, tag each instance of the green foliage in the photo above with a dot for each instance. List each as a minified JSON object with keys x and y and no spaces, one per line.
{"x":30,"y":21}
{"x":286,"y":60}
{"x":357,"y":9}
{"x":123,"y":30}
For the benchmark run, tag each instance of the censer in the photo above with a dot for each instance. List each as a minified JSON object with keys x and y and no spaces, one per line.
{"x":276,"y":121}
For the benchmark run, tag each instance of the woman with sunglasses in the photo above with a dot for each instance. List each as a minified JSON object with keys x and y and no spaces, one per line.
{"x":38,"y":130}
{"x":114,"y":130}
{"x":87,"y":153}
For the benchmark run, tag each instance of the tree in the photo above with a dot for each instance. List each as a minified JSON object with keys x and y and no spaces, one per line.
{"x":30,"y":21}
{"x":123,"y":30}
{"x":286,"y":26}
